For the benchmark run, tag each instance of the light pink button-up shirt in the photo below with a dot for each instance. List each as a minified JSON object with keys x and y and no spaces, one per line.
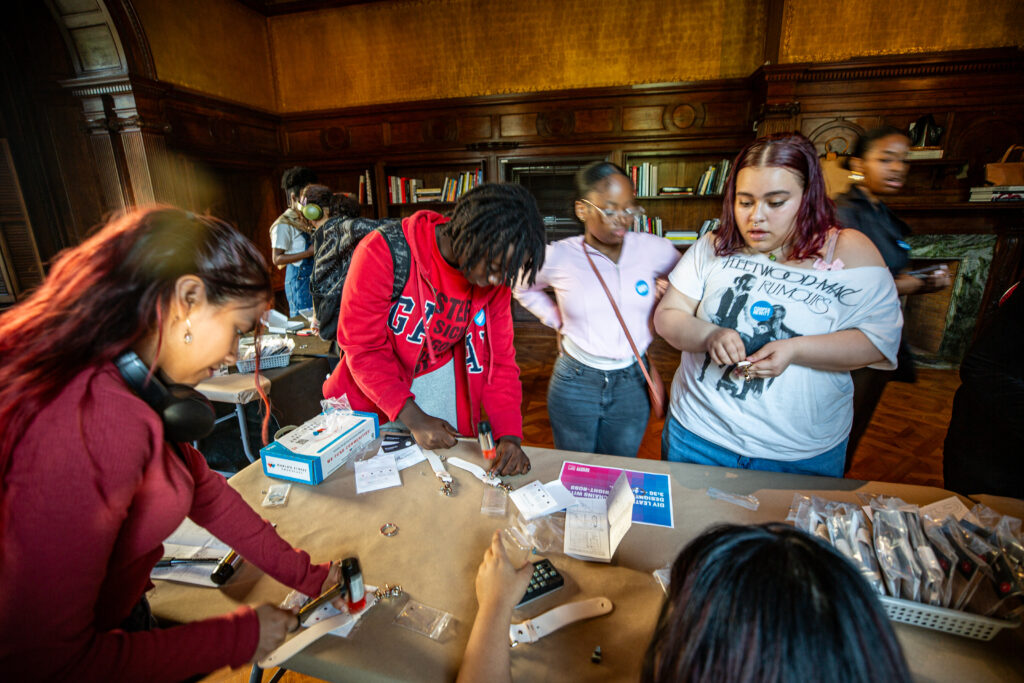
{"x":583,"y":312}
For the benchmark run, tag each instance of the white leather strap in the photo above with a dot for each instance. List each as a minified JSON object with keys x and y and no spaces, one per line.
{"x":532,"y":630}
{"x":301,"y":640}
{"x":340,"y":624}
{"x":475,"y":470}
{"x":437,"y":466}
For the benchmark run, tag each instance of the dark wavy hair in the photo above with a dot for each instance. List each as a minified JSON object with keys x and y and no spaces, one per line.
{"x":766,"y":604}
{"x":489,"y":219}
{"x":107,"y":294}
{"x":817,"y":214}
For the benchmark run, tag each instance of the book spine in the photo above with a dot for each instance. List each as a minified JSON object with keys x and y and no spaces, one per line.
{"x":369,"y":189}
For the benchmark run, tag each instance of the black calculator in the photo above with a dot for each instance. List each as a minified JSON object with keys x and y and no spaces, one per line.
{"x":544,"y":580}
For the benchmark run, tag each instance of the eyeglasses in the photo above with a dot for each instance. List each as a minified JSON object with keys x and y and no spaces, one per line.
{"x":632,"y":213}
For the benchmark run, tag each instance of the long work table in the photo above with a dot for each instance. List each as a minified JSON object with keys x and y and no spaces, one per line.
{"x":441,"y":540}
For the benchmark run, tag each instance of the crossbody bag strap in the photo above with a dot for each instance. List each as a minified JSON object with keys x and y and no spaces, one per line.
{"x":629,"y":337}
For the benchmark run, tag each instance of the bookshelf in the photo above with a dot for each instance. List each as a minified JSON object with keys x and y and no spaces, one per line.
{"x":698,"y":177}
{"x":410,"y":187}
{"x":353,"y":180}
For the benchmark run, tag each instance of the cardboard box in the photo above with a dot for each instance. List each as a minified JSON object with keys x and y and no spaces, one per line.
{"x":310,"y":453}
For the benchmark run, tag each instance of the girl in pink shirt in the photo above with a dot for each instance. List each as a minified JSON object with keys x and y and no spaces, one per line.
{"x":597,"y":396}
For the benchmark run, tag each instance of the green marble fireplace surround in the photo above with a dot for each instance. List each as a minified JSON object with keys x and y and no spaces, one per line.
{"x":974,"y":253}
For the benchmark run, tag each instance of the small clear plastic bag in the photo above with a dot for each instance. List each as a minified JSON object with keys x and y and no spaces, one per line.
{"x":434,"y":623}
{"x":277,"y":495}
{"x":494,"y":502}
{"x":749,"y":502}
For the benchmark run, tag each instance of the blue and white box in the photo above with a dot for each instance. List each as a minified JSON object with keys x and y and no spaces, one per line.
{"x":311,"y":452}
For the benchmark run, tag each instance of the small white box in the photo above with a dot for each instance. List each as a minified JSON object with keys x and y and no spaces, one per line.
{"x":310,"y":453}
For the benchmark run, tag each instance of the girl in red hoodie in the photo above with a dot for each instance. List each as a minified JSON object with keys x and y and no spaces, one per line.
{"x":441,"y":354}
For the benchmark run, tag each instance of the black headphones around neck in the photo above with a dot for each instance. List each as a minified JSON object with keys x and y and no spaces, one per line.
{"x":187,"y":415}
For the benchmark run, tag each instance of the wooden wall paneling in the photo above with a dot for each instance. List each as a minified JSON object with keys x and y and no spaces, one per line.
{"x":23,"y":269}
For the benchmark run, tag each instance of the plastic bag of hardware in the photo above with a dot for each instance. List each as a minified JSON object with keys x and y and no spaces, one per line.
{"x":429,"y":621}
{"x":847,"y":528}
{"x":933,"y":578}
{"x":944,"y":555}
{"x":893,"y":549}
{"x":970,"y":567}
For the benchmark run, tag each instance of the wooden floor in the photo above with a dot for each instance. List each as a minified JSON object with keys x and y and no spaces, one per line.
{"x":903,"y":443}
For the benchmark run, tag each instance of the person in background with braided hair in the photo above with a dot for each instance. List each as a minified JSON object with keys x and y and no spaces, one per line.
{"x":441,"y":355}
{"x":94,"y":478}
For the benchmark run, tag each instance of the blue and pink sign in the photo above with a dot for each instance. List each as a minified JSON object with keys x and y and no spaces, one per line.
{"x":652,"y":492}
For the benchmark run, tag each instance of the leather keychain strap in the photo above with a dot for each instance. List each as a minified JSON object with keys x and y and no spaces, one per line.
{"x":629,"y":337}
{"x":475,"y":470}
{"x":532,"y":630}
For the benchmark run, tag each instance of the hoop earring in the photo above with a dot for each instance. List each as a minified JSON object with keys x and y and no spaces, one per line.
{"x":856,"y":176}
{"x":188,"y":331}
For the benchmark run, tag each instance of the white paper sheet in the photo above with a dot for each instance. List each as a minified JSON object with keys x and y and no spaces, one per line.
{"x":378,"y":472}
{"x":190,"y":540}
{"x":536,"y":499}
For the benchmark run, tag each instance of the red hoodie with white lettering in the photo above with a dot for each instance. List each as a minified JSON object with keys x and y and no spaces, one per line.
{"x":385,"y":343}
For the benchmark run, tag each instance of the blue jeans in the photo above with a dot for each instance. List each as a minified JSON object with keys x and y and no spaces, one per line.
{"x":296,"y":286}
{"x":597,"y":411}
{"x":678,"y":444}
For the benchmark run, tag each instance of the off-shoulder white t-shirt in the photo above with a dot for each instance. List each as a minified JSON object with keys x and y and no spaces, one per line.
{"x":802,"y":412}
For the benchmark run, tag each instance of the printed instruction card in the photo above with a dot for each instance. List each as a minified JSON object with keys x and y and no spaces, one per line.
{"x":652,"y":492}
{"x":594,"y":528}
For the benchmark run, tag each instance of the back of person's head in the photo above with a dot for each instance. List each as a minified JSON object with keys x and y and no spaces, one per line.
{"x":760,"y":604}
{"x":320,"y":195}
{"x":344,"y":205}
{"x":862,"y":145}
{"x":296,"y":178}
{"x":591,"y":177}
{"x":491,"y":218}
{"x":795,"y":153}
{"x":110,"y":292}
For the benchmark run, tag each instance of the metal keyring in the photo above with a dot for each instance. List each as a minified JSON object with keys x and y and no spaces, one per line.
{"x":389,"y":529}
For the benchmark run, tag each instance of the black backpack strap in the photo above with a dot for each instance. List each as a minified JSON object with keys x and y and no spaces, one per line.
{"x":401,"y":256}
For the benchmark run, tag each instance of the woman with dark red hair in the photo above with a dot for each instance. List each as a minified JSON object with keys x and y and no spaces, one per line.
{"x":772,"y":312}
{"x":95,"y":368}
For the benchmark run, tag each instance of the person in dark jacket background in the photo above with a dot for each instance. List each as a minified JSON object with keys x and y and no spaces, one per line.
{"x":878,"y":165}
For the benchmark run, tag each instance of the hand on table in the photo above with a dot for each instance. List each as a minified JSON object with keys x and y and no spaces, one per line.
{"x":499,"y":584}
{"x":429,"y":432}
{"x":725,"y":347}
{"x":510,"y":458}
{"x":275,"y":624}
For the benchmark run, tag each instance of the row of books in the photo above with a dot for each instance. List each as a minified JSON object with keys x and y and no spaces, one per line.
{"x":712,"y":180}
{"x":365,"y":189}
{"x":645,"y":179}
{"x":997,"y":193}
{"x":648,"y":224}
{"x":691,"y":236}
{"x":403,"y":190}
